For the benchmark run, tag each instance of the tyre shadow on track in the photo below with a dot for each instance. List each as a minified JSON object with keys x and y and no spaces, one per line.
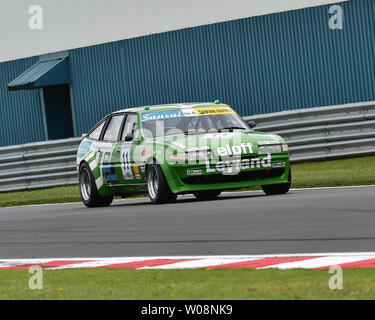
{"x":192,"y":200}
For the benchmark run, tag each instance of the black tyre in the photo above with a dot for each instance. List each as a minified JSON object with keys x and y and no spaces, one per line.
{"x":157,"y":186}
{"x":87,"y":187}
{"x":281,"y":188}
{"x":207,"y":195}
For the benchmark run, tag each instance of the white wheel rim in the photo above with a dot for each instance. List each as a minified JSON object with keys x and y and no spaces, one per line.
{"x":152,"y":182}
{"x":85,"y":184}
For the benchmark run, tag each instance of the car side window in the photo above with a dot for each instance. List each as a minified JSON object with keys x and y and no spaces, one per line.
{"x":113,"y":128}
{"x":130,"y":127}
{"x":96,"y":133}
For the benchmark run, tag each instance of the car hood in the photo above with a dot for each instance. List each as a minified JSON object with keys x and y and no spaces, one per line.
{"x":245,"y":140}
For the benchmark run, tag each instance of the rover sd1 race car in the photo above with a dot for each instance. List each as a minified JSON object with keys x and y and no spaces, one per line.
{"x":198,"y":148}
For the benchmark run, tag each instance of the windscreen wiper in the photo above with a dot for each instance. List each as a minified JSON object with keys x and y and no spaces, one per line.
{"x":232,"y":128}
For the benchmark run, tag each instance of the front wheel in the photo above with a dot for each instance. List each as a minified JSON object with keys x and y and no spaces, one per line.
{"x":281,"y":188}
{"x":157,"y":186}
{"x":207,"y":195}
{"x":87,"y":187}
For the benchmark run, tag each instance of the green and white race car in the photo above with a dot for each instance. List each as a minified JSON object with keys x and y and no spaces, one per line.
{"x":198,"y":148}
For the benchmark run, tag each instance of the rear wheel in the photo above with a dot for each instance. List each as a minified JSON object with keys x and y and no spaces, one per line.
{"x":157,"y":186}
{"x":207,"y":195}
{"x":89,"y":192}
{"x":280,"y":188}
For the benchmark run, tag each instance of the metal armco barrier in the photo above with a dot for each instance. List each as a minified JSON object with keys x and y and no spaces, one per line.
{"x":312,"y":134}
{"x":39,"y":165}
{"x":324,"y":132}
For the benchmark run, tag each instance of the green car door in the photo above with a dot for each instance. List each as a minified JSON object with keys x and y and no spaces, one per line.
{"x":109,"y":152}
{"x":131,"y":169}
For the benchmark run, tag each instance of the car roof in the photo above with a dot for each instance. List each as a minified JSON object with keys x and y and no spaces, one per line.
{"x":162,"y":107}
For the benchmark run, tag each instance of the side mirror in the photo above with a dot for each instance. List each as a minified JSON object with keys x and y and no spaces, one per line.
{"x":252,"y":124}
{"x":129,"y":137}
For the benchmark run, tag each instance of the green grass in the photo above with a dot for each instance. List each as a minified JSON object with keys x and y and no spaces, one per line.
{"x":346,"y":172}
{"x":41,"y":196}
{"x":187,"y":284}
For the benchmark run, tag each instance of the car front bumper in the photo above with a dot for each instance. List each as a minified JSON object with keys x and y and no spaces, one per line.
{"x":200,"y":180}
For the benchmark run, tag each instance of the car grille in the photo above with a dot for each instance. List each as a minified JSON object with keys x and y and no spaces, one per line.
{"x":240,"y":177}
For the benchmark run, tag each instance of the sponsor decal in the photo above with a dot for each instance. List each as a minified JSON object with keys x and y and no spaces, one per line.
{"x":136,"y":171}
{"x":189,"y":112}
{"x":235,"y":150}
{"x":106,"y":158}
{"x":143,"y":168}
{"x":110,"y":174}
{"x":235,"y":165}
{"x":162,"y":115}
{"x":125,"y":163}
{"x":194,"y":172}
{"x":143,"y":155}
{"x":278,"y":164}
{"x":84,"y":149}
{"x":205,"y":111}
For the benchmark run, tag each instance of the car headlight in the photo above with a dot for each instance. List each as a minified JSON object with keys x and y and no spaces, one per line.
{"x":271,"y":148}
{"x":285,"y":148}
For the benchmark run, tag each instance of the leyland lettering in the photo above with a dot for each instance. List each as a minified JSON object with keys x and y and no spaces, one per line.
{"x":236,"y":165}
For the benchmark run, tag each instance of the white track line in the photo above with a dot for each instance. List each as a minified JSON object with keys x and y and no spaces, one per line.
{"x":201,"y":263}
{"x":368,"y":255}
{"x":318,"y":262}
{"x":98,"y":263}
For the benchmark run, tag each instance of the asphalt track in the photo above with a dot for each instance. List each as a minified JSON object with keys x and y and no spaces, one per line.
{"x":302,"y":221}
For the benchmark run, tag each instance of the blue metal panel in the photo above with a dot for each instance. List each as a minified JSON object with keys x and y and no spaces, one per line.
{"x":43,"y":73}
{"x":258,"y":65}
{"x":20,"y":111}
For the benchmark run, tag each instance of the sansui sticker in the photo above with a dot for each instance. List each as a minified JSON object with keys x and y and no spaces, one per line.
{"x":162,"y":115}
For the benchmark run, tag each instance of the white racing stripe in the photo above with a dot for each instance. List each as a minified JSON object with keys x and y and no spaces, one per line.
{"x":318,"y":262}
{"x":93,"y":165}
{"x":99,"y":263}
{"x":201,"y":263}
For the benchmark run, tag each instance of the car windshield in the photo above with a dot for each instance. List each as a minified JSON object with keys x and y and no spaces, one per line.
{"x":156,"y":124}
